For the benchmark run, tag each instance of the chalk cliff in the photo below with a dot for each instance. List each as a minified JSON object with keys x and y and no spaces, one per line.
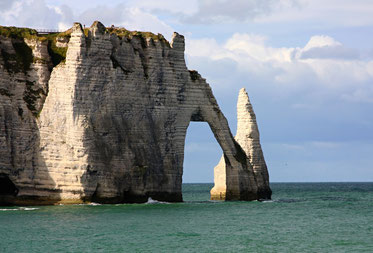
{"x":101,"y":114}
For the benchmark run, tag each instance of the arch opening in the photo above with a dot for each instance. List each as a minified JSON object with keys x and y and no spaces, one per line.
{"x":201,"y":154}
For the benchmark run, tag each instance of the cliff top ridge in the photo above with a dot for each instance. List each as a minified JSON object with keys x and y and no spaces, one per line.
{"x":29,"y":33}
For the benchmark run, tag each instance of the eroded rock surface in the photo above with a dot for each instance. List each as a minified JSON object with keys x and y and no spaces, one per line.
{"x":108,"y":122}
{"x":248,"y":137}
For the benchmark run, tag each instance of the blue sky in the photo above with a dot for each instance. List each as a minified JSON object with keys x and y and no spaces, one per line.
{"x":306,"y":64}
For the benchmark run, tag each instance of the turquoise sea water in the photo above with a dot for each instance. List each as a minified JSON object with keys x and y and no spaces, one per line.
{"x":303,"y":217}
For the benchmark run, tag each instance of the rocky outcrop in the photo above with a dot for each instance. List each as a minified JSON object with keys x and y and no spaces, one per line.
{"x":107,"y":121}
{"x":247,"y":137}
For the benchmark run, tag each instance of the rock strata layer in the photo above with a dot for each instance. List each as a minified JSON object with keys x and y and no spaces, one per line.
{"x":107,"y":121}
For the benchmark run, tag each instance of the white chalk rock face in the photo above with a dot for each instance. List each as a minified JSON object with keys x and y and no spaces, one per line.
{"x":111,"y":126}
{"x":247,"y":137}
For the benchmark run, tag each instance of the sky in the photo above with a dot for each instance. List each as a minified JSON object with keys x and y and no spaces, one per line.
{"x":307,"y":66}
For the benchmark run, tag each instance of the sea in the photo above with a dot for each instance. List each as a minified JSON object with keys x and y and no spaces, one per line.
{"x":301,"y":217}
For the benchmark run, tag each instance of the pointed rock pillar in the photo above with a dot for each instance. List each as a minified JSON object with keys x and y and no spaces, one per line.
{"x":248,"y":137}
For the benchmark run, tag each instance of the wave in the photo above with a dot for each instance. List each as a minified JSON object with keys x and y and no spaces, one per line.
{"x":86,"y":204}
{"x":94,"y":204}
{"x":267,"y":201}
{"x":19,"y":209}
{"x":28,"y":208}
{"x":152,"y":201}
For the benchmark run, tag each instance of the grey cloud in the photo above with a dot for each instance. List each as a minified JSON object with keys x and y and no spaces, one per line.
{"x":38,"y":14}
{"x":6,"y":4}
{"x":35,"y":14}
{"x":330,"y":52}
{"x":67,"y":15}
{"x":106,"y":15}
{"x":233,"y":11}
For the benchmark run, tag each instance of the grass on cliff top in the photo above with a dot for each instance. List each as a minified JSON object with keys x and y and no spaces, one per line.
{"x":58,"y":54}
{"x":28,"y":33}
{"x":123,"y":32}
{"x":17,"y":32}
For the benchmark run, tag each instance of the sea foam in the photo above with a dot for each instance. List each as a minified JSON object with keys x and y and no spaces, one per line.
{"x":152,"y":201}
{"x":19,"y":209}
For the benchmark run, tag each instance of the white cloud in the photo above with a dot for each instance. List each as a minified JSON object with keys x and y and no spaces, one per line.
{"x":130,"y":17}
{"x":325,"y":47}
{"x":318,"y":41}
{"x":323,"y":62}
{"x":204,"y":48}
{"x":136,"y":19}
{"x":30,"y":13}
{"x":254,"y":47}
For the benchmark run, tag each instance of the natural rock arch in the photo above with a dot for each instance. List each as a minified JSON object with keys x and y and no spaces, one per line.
{"x":113,"y":126}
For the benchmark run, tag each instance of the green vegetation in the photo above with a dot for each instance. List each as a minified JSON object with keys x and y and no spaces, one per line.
{"x":23,"y":58}
{"x":58,"y":54}
{"x":124,"y":33}
{"x":86,"y":32}
{"x":18,"y":33}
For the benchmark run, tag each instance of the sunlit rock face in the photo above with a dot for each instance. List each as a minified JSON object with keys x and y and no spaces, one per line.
{"x":247,"y":137}
{"x":108,"y":122}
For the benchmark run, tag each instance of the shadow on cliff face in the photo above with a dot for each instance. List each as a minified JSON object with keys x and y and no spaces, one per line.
{"x":126,"y":159}
{"x":122,"y":165}
{"x":24,"y":176}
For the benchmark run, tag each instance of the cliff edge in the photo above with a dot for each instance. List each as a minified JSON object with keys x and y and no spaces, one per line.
{"x":100,"y":114}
